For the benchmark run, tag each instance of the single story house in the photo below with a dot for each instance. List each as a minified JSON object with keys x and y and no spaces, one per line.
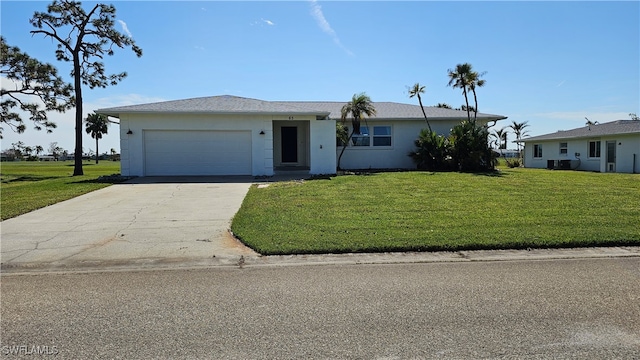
{"x":608,"y":147}
{"x":230,"y":135}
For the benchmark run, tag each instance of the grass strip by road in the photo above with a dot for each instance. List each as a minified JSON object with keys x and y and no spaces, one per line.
{"x":422,"y":211}
{"x":27,"y":186}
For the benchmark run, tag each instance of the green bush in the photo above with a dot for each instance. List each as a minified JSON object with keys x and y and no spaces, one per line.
{"x":432,"y":151}
{"x":466,"y":149}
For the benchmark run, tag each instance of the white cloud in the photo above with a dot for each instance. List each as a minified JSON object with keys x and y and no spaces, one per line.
{"x":263,"y":22}
{"x":125,"y":28}
{"x":316,"y":12}
{"x":561,"y":83}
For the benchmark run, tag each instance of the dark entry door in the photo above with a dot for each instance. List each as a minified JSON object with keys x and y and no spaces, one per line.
{"x":289,"y":136}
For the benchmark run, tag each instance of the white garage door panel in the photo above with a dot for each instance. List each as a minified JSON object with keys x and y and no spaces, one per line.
{"x":197,"y":152}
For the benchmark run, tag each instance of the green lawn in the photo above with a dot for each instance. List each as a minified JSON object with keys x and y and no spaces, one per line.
{"x":27,"y":185}
{"x":422,"y":211}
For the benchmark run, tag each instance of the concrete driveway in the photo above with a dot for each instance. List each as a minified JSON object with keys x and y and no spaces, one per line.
{"x":146,"y":221}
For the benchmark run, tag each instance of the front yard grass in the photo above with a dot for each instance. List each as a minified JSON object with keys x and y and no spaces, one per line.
{"x":30,"y":185}
{"x":422,"y":211}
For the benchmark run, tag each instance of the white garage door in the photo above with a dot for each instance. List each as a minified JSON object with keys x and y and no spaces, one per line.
{"x":197,"y":152}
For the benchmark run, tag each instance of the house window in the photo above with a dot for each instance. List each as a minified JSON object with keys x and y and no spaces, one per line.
{"x":382,"y":136}
{"x":594,"y":149}
{"x":362,"y":139}
{"x":563,"y":148}
{"x":537,"y":150}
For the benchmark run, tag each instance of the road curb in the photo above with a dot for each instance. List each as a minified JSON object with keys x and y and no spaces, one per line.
{"x":241,"y":262}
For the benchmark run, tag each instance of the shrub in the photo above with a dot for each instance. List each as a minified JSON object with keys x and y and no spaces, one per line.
{"x":466,"y":149}
{"x":432,"y":151}
{"x":514,"y":163}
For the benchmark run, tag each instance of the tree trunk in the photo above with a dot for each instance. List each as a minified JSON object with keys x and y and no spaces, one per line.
{"x":97,"y":152}
{"x":424,"y":113}
{"x":466,"y":100}
{"x":344,"y":147}
{"x":475,"y":109}
{"x":77,"y":168}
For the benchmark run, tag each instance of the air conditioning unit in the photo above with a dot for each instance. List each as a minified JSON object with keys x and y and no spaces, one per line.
{"x":564,"y":164}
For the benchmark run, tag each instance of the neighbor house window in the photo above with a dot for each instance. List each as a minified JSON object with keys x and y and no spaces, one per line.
{"x":382,"y":136}
{"x":537,"y":151}
{"x":362,"y":139}
{"x":594,"y":149}
{"x":563,"y":148}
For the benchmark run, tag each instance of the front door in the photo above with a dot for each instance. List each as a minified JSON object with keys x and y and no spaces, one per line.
{"x":611,"y":156}
{"x":289,"y":139}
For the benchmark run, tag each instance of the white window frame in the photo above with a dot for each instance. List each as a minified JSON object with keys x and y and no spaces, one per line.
{"x":537,"y":151}
{"x":379,"y":136}
{"x":597,"y":149}
{"x":564,"y":148}
{"x":367,"y":136}
{"x":363,"y":139}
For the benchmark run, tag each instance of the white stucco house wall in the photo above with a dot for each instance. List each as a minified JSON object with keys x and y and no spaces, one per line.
{"x":230,"y":135}
{"x":608,"y":147}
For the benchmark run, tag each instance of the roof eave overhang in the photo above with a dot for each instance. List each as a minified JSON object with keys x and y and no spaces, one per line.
{"x":579,"y":137}
{"x":117,"y":114}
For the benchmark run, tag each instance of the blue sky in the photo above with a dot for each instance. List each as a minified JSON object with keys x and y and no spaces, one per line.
{"x":549,"y":63}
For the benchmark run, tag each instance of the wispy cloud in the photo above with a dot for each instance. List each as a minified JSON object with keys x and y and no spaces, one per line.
{"x":561,"y":83}
{"x":125,"y":28}
{"x":316,"y":12}
{"x":263,"y":22}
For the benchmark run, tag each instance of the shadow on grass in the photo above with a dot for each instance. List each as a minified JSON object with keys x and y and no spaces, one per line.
{"x":106,"y":179}
{"x":496,"y":173}
{"x":29,"y":178}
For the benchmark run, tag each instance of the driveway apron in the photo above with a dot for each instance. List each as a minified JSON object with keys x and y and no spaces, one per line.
{"x":147,"y":220}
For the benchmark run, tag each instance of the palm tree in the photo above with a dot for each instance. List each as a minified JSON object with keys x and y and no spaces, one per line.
{"x":96,"y":125}
{"x":39,"y":149}
{"x":473,"y":81}
{"x":518,"y":130}
{"x":459,"y":78}
{"x":416,"y":90}
{"x":501,"y":138}
{"x":359,"y":106}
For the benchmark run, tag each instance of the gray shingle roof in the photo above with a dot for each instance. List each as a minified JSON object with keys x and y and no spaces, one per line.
{"x":224,"y":104}
{"x":609,"y":128}
{"x":227,"y":104}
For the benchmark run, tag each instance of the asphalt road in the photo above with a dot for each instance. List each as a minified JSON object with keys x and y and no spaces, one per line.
{"x":556,"y":309}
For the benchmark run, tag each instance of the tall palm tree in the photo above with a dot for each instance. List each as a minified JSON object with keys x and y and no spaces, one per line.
{"x":519,"y":130}
{"x":416,"y":90}
{"x":473,"y":81}
{"x":459,"y":78}
{"x":359,"y":106}
{"x":39,"y":149}
{"x":501,"y":138}
{"x":97,"y":125}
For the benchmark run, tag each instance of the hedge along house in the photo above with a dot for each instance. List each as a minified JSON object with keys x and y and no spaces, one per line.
{"x":607,"y":147}
{"x":229,"y":135}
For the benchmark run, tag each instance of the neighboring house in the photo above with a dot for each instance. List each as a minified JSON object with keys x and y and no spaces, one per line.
{"x":607,"y":147}
{"x":508,"y":153}
{"x":46,"y":158}
{"x":229,"y":135}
